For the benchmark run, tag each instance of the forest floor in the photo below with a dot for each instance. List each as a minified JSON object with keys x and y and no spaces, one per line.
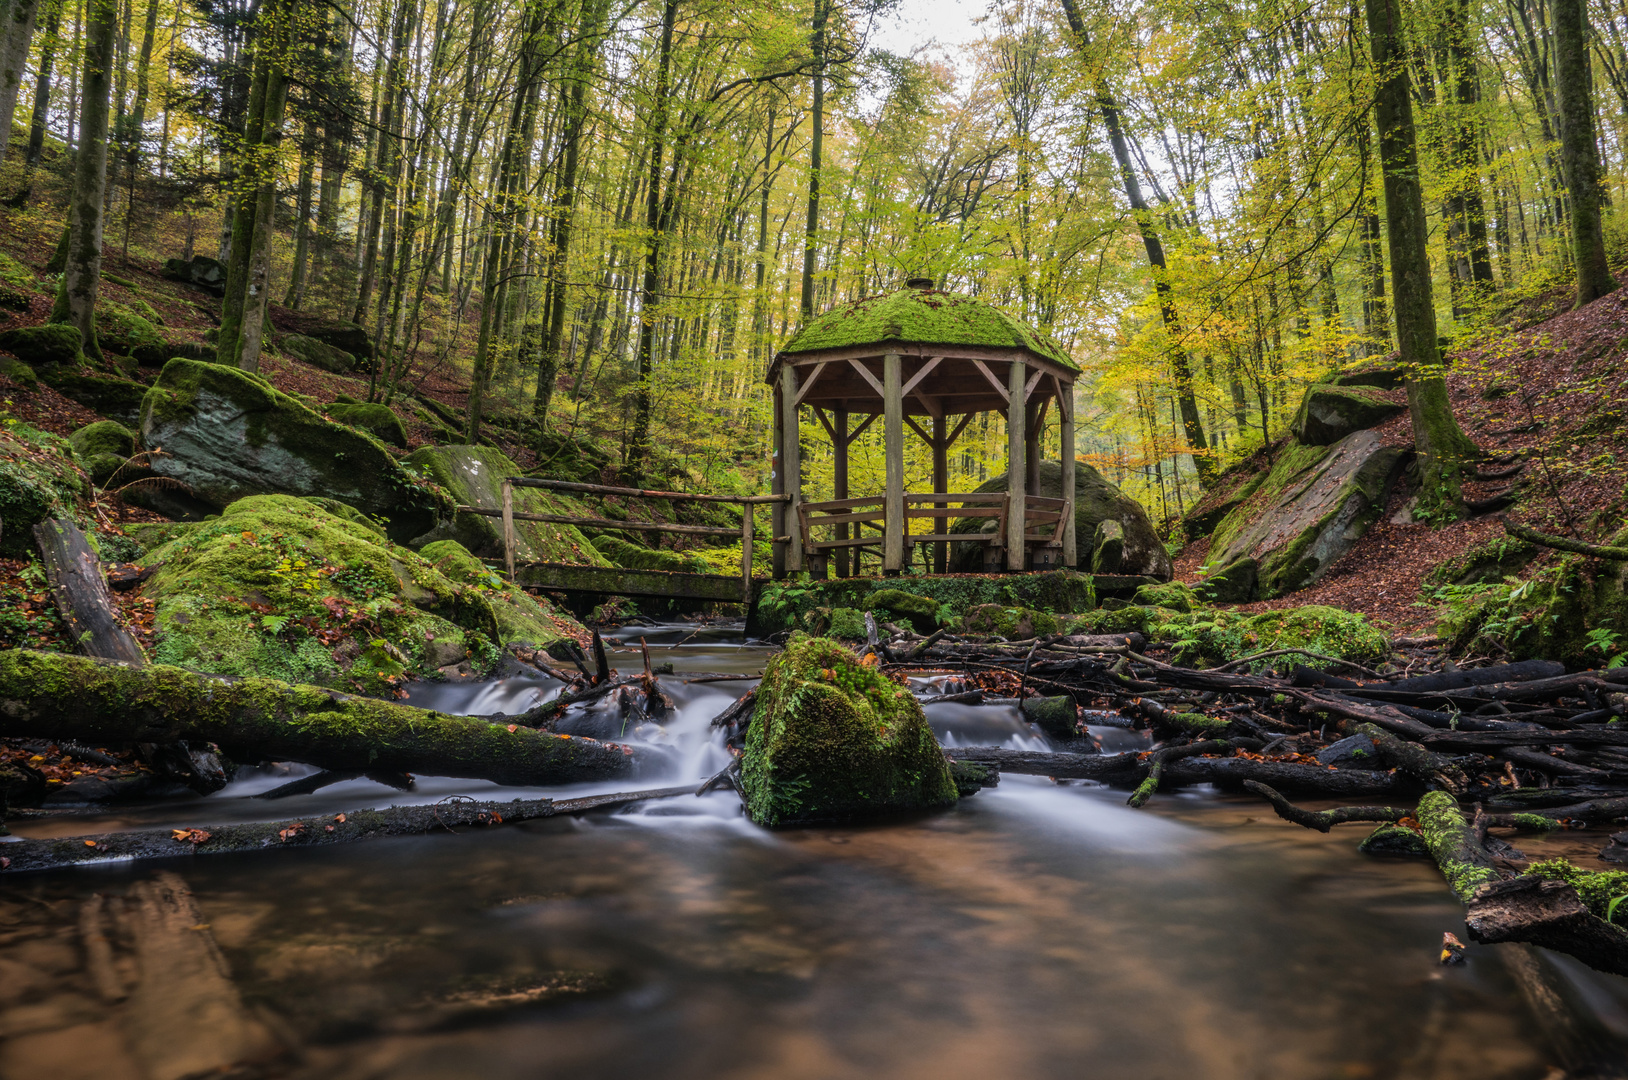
{"x":1555,"y":393}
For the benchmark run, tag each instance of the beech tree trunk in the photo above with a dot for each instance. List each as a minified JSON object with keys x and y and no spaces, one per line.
{"x":42,"y":86}
{"x":82,"y":274}
{"x":1579,"y":151}
{"x":16,"y":33}
{"x":1442,"y":447}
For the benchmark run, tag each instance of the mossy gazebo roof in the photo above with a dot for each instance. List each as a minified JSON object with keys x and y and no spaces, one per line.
{"x":925,"y":325}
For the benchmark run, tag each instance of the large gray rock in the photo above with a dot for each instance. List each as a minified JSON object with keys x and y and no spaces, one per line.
{"x":201,"y":272}
{"x":318,"y":354}
{"x":1329,"y":413}
{"x":1095,"y":501}
{"x":1315,"y":503}
{"x":227,"y":434}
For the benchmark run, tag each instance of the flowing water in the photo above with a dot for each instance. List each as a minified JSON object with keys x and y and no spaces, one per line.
{"x":1034,"y":930}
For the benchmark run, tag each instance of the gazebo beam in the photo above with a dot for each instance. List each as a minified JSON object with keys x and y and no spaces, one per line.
{"x":1065,"y":414}
{"x":893,"y":438}
{"x":1016,"y":506}
{"x":791,"y":459}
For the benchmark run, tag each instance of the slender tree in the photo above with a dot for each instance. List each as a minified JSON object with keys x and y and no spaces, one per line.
{"x":81,"y":279}
{"x":1579,"y":152}
{"x":16,"y":34}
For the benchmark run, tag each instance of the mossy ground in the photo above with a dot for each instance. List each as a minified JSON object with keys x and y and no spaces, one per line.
{"x":833,"y":740}
{"x":473,"y":476}
{"x":1206,"y":637}
{"x":278,"y":586}
{"x":1012,"y":623}
{"x":781,"y":605}
{"x":39,"y":478}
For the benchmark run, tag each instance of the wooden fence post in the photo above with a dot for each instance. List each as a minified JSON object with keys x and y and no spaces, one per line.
{"x":746,"y":553}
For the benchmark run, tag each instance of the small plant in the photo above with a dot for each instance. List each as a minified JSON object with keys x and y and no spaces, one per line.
{"x":1608,"y":643}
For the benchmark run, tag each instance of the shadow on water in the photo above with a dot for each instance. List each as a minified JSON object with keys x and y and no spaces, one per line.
{"x":1035,"y":930}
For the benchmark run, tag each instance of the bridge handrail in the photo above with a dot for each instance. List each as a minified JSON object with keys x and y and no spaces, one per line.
{"x":604,"y":489}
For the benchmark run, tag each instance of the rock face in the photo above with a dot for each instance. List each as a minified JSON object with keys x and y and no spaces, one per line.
{"x":1095,"y":500}
{"x":376,"y":420}
{"x":102,"y":447}
{"x":202,"y":273}
{"x":1308,"y":511}
{"x":278,"y":586}
{"x":52,"y":343}
{"x":832,"y":741}
{"x":1330,"y":413}
{"x":227,"y":434}
{"x":473,"y":476}
{"x":318,"y":354}
{"x":344,"y":336}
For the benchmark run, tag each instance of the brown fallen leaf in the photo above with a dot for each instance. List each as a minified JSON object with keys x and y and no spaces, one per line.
{"x":340,"y":818}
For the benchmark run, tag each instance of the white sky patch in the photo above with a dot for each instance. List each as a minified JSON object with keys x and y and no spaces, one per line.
{"x":945,"y":27}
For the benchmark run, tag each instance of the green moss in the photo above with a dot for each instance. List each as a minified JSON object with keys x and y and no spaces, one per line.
{"x":519,"y":615}
{"x":923,"y":613}
{"x":126,"y":329}
{"x":1394,"y":840}
{"x":17,"y":275}
{"x":1574,"y":611}
{"x":780,"y":604}
{"x":102,"y":448}
{"x":1209,"y":637}
{"x":1485,"y":563}
{"x":1597,"y":888}
{"x":473,"y":476}
{"x":634,"y":557}
{"x":52,"y":343}
{"x":926,"y":316}
{"x":1173,"y":595}
{"x":832,"y":740}
{"x":377,"y":420}
{"x":1535,"y":822}
{"x":1012,"y":623}
{"x":844,"y":623}
{"x":1443,"y":825}
{"x":1125,"y":620}
{"x":38,"y":479}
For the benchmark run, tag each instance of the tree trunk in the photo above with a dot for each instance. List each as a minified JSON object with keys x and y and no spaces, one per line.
{"x":302,"y":224}
{"x":639,"y":440}
{"x":100,"y":702}
{"x":82,"y":275}
{"x":1442,"y":447}
{"x":816,"y":148}
{"x":81,"y":594}
{"x":1180,"y":367}
{"x":16,"y":33}
{"x":42,"y":86}
{"x":1579,"y":151}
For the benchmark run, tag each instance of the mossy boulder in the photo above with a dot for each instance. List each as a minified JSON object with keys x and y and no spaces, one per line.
{"x":520,"y":616}
{"x":1386,"y":374}
{"x":844,"y":623}
{"x":921,"y":612}
{"x":18,"y":372}
{"x":1173,"y":595}
{"x":473,"y":476}
{"x":38,"y":480}
{"x":632,"y":556}
{"x":1328,"y":414}
{"x":339,"y":334}
{"x":834,"y":741}
{"x":318,"y":354}
{"x":1205,"y":637}
{"x":125,"y":330}
{"x":1313,"y":505}
{"x":112,"y":396}
{"x":1108,"y":547}
{"x":102,"y":448}
{"x":780,"y":605}
{"x":1486,"y":563}
{"x":1011,"y":623}
{"x":36,"y":346}
{"x":1095,"y":500}
{"x":201,"y":272}
{"x":279,"y":586}
{"x":375,"y":419}
{"x":227,"y":434}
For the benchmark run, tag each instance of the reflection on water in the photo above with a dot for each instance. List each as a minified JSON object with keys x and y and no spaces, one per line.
{"x":1035,"y":930}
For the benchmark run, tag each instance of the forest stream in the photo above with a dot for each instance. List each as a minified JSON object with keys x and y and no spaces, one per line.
{"x":1037,"y":929}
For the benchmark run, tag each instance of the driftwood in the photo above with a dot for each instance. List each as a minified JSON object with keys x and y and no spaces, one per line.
{"x":1546,"y":913}
{"x":1324,"y":820}
{"x":81,"y":593}
{"x":316,"y":831}
{"x":99,"y":702}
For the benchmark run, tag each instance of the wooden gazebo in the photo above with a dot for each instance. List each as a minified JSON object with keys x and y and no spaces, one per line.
{"x":929,"y":360}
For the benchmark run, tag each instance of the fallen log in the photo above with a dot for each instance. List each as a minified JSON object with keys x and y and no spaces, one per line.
{"x":1563,"y":543}
{"x":256,"y":719}
{"x":1495,"y":740}
{"x":1125,"y":770}
{"x":1324,"y":820}
{"x":81,"y":595}
{"x":317,"y":831}
{"x":1105,"y":768}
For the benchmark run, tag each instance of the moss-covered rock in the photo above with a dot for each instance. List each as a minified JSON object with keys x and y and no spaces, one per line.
{"x":833,"y":740}
{"x":375,"y":419}
{"x":227,"y":434}
{"x":124,"y":329}
{"x":1328,"y":414}
{"x":1485,"y":563}
{"x":18,"y":372}
{"x":1382,"y":374}
{"x":1012,"y":623}
{"x":520,"y":616}
{"x":1095,"y":500}
{"x":1173,"y":595}
{"x":473,"y":476}
{"x":201,"y":272}
{"x":1108,"y":547}
{"x":923,"y":613}
{"x":52,"y":343}
{"x":277,"y":586}
{"x":38,"y":480}
{"x":1313,"y":505}
{"x":318,"y":354}
{"x":111,"y":396}
{"x":844,"y":623}
{"x":102,"y":448}
{"x":342,"y":335}
{"x":1208,"y":637}
{"x":637,"y":557}
{"x":780,"y":604}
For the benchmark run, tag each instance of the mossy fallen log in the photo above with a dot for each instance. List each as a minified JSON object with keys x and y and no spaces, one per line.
{"x":102,"y":702}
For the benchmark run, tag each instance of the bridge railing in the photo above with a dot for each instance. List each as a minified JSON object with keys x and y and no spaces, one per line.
{"x":509,"y":515}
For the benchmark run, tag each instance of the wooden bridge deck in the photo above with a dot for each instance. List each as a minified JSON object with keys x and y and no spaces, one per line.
{"x":615,"y":581}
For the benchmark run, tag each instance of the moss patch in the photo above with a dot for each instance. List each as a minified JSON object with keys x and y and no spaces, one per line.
{"x":781,"y":604}
{"x":923,"y":613}
{"x":377,"y":420}
{"x":636,"y":557}
{"x":102,"y":447}
{"x":520,"y":616}
{"x":1012,"y":623}
{"x":832,"y":740}
{"x":1597,"y":888}
{"x":38,"y":479}
{"x":1206,"y":637}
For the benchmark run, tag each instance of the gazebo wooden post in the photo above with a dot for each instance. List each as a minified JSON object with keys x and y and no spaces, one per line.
{"x":893,"y":437}
{"x":1065,"y":414}
{"x":839,"y":480}
{"x":1032,"y":425}
{"x":941,"y":485}
{"x":791,"y":460}
{"x":1016,"y":473}
{"x":777,"y":485}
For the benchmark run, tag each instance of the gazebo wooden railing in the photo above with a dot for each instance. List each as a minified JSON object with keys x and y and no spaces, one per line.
{"x":1038,"y":514}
